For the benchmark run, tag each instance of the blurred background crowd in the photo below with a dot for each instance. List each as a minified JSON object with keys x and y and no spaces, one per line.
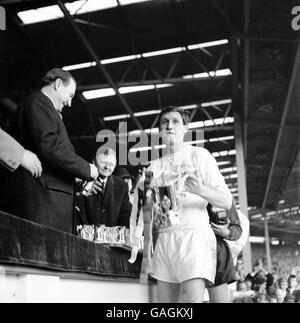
{"x":281,"y":285}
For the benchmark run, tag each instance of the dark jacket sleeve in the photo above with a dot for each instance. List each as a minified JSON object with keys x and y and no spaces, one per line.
{"x":51,"y":140}
{"x":11,"y":152}
{"x":235,"y":225}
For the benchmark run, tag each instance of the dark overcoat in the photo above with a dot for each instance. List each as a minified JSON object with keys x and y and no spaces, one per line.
{"x":49,"y":199}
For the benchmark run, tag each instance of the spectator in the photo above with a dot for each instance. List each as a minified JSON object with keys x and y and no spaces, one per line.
{"x":241,"y":286}
{"x":275,"y":278}
{"x":260,"y":282}
{"x":248,"y":282}
{"x":242,"y":291}
{"x":289,"y":298}
{"x":256,"y":267}
{"x":262,"y":298}
{"x":292,"y":285}
{"x":240,"y":269}
{"x":297,"y":298}
{"x":280,"y":295}
{"x":110,"y":205}
{"x":272,"y":291}
{"x":273,"y":299}
{"x":283,"y":285}
{"x":245,"y":299}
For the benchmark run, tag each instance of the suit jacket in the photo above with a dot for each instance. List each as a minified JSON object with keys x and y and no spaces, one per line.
{"x":11,"y":152}
{"x":111,"y":208}
{"x":49,"y":199}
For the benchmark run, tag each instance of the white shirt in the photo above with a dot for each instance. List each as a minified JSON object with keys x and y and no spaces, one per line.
{"x":192,"y":208}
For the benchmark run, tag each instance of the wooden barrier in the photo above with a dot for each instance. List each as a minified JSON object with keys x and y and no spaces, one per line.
{"x":25,"y":243}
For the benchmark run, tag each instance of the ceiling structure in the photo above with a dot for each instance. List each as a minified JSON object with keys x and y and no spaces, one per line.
{"x":230,"y":61}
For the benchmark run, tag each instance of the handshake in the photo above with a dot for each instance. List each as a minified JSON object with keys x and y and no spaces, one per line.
{"x":94,"y":186}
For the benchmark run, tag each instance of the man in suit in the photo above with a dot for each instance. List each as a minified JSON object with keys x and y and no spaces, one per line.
{"x":49,"y":199}
{"x":110,"y":205}
{"x":13,"y":155}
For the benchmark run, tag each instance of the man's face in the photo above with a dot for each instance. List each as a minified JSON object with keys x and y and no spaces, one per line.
{"x":280,"y":295}
{"x":283,"y":285}
{"x":172,"y":128}
{"x":292,"y":282}
{"x":242,"y":287}
{"x":106,"y":165}
{"x":65,"y":93}
{"x":248,"y":284}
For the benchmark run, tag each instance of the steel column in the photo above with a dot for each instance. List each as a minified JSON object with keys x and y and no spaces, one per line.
{"x":282,"y":122}
{"x":267,"y":244}
{"x":246,"y":72}
{"x":242,"y":188}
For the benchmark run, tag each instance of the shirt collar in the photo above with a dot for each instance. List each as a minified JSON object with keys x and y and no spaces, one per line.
{"x":52,"y":103}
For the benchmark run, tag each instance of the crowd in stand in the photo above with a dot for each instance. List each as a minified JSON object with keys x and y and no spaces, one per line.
{"x":281,"y":285}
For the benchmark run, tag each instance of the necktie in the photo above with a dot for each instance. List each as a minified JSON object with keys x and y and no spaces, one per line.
{"x":102,"y":185}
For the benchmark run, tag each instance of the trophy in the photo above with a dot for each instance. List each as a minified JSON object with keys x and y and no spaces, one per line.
{"x":171,"y":192}
{"x":169,"y":204}
{"x":86,"y":232}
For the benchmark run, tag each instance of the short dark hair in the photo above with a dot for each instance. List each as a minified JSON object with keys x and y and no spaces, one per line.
{"x":184,"y":114}
{"x":54,"y":74}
